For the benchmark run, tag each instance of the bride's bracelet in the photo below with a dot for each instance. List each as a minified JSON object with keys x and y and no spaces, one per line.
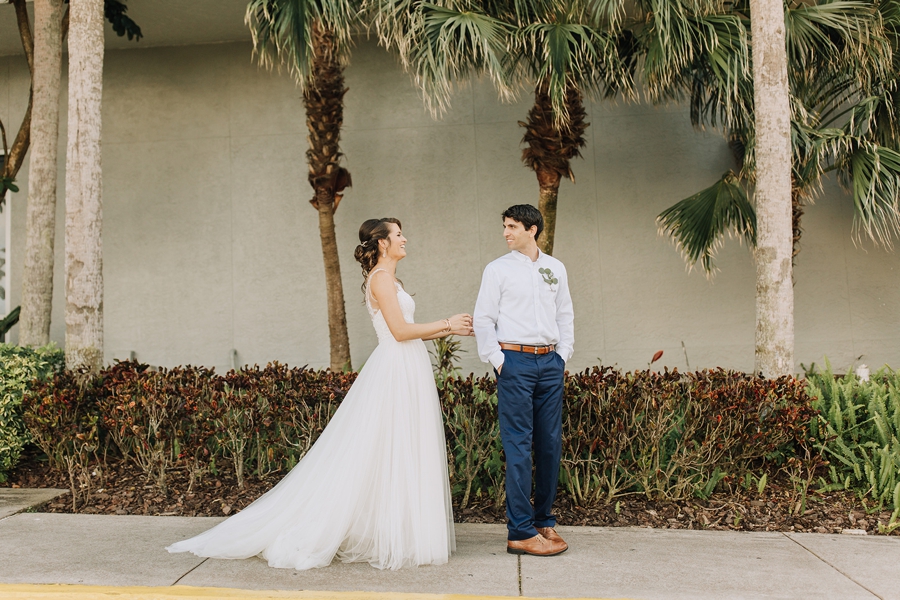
{"x":448,"y":328}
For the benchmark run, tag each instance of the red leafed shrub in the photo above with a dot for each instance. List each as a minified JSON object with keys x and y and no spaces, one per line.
{"x":63,"y":418}
{"x":671,"y":435}
{"x":664,"y":435}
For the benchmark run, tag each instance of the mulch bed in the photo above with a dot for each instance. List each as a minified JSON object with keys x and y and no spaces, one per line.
{"x":120,"y":488}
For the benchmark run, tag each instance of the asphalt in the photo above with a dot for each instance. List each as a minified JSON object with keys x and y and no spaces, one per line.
{"x":60,"y":556}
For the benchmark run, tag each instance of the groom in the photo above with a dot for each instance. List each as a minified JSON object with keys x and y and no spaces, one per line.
{"x":524,"y":326}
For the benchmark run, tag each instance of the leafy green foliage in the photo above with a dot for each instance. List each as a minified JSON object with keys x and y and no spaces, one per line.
{"x":19,"y":368}
{"x":445,"y":354}
{"x":860,"y":433}
{"x":699,"y":224}
{"x":7,"y":322}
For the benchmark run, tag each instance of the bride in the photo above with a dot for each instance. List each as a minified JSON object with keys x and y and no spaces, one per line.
{"x":374,"y":487}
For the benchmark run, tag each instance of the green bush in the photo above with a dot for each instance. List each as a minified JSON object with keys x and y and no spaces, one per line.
{"x":859,"y":434}
{"x":663,"y":435}
{"x":18,"y":368}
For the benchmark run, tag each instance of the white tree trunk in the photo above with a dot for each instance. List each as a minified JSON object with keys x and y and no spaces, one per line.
{"x":84,"y":216}
{"x":40,"y":220}
{"x":774,"y":284}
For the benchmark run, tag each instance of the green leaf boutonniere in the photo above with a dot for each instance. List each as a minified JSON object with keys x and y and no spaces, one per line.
{"x":549,"y":279}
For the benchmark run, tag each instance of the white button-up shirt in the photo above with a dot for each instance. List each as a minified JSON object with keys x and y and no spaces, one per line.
{"x":518,"y":304}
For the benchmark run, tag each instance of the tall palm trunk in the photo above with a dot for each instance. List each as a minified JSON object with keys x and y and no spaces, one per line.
{"x":324,"y":101}
{"x":774,"y":288}
{"x":550,"y":147}
{"x":40,"y":228}
{"x":84,"y":254}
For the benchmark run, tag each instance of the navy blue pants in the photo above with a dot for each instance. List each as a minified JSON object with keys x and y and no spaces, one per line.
{"x":529,"y":396}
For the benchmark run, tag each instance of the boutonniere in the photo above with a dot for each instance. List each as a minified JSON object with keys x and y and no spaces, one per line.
{"x":549,"y":279}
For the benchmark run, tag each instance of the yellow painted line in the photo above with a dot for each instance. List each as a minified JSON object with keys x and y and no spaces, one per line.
{"x":84,"y":592}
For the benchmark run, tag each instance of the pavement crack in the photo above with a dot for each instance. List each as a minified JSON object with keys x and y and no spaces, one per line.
{"x":192,"y":569}
{"x":519,"y":568}
{"x":832,"y":566}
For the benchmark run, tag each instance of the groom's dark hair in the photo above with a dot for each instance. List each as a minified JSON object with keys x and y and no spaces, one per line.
{"x":527,"y":215}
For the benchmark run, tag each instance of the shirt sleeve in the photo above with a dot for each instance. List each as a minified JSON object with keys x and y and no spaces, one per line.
{"x":487,"y":311}
{"x":565,"y":318}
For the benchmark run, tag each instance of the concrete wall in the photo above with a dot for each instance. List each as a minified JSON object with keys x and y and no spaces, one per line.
{"x":210,"y":244}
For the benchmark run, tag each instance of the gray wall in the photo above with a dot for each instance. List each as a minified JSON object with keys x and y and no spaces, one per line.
{"x":210,"y":244}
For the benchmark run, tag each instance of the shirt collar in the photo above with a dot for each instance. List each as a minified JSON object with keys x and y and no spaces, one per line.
{"x":519,"y":256}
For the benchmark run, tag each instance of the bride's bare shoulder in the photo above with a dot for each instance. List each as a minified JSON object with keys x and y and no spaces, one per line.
{"x":381,"y":281}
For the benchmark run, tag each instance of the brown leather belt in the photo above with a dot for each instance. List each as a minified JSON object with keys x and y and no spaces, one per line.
{"x":528,"y":349}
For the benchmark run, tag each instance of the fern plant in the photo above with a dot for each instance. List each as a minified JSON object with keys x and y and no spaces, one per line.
{"x":859,"y":433}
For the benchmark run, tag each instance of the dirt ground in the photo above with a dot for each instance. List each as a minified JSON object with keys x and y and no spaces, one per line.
{"x":120,"y":488}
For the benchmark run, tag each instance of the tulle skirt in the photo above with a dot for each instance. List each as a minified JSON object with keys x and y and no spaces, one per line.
{"x":373,"y":488}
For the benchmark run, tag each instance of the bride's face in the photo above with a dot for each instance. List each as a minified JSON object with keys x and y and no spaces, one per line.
{"x":395,"y":245}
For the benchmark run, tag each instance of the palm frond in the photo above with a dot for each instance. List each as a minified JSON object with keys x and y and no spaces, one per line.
{"x":282,"y":31}
{"x":669,"y":44}
{"x":833,"y":36}
{"x":570,"y":54}
{"x":872,"y":172}
{"x":698,"y":224}
{"x":455,"y":45}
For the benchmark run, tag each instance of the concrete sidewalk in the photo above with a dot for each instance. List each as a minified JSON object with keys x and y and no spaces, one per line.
{"x":41,"y":548}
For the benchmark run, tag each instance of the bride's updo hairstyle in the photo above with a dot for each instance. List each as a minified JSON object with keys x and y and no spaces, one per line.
{"x":370,"y":232}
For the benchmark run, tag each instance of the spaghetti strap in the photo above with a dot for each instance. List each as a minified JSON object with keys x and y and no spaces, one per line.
{"x":369,"y":292}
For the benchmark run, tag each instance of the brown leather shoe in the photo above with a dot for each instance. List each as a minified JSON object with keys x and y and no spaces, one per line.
{"x":550,"y":534}
{"x":536,"y":546}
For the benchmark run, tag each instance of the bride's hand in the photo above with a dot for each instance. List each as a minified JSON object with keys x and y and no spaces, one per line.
{"x":461,"y":325}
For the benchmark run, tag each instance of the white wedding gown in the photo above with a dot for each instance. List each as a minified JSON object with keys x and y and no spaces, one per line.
{"x":373,"y":488}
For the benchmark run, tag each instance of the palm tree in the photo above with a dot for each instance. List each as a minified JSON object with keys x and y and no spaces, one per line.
{"x":841,"y":81}
{"x":838,"y":61}
{"x":313,"y":39}
{"x":566,"y":55}
{"x":84,"y":215}
{"x":45,"y":50}
{"x":557,"y":48}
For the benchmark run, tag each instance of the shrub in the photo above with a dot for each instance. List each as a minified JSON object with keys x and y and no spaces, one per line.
{"x":860,"y":434}
{"x":472,"y":430}
{"x":672,"y":435}
{"x":20,"y":366}
{"x":62,"y":415}
{"x":159,"y":419}
{"x":664,"y":435}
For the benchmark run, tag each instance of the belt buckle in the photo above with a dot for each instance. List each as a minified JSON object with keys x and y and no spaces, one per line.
{"x":536,"y":350}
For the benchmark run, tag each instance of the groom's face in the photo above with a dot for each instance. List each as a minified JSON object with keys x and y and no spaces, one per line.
{"x":517,"y":237}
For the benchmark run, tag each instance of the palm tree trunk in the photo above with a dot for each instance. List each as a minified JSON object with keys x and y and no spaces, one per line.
{"x":550,"y":146}
{"x":40,"y":228}
{"x":324,"y":101}
{"x":774,"y":287}
{"x":548,"y":181}
{"x":84,"y":215}
{"x":337,"y":315}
